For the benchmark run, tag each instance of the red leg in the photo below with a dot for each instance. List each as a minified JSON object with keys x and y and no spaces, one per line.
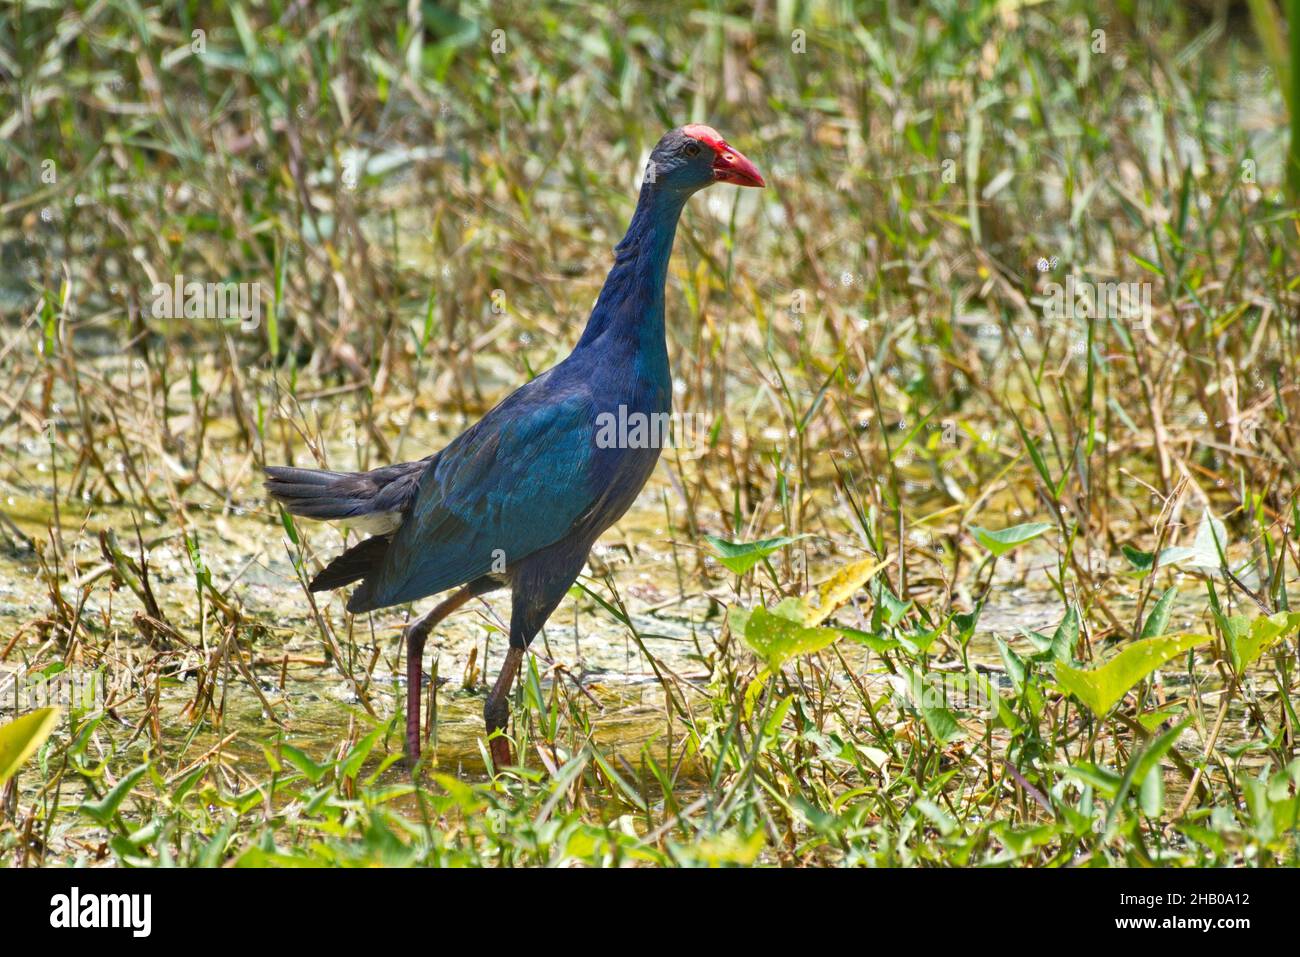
{"x":414,"y":677}
{"x":496,"y":711}
{"x":416,"y":633}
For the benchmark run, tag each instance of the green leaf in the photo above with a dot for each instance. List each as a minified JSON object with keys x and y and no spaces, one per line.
{"x":918,"y":642}
{"x":1205,"y":551}
{"x":360,"y":751}
{"x":1158,"y":620}
{"x":106,"y":807}
{"x":1156,"y":749}
{"x":1004,"y":540}
{"x":889,"y":607}
{"x":1101,"y":687}
{"x":299,"y":759}
{"x":1140,"y":560}
{"x":942,"y":724}
{"x":1151,"y":787}
{"x":1059,"y":647}
{"x":1105,"y":781}
{"x":754,"y":689}
{"x":1014,"y":664}
{"x":740,"y":557}
{"x":1151,"y":795}
{"x":877,"y":643}
{"x":1036,"y":457}
{"x":1248,"y":641}
{"x":966,"y":623}
{"x":20,"y":738}
{"x":738,"y":619}
{"x":777,"y":639}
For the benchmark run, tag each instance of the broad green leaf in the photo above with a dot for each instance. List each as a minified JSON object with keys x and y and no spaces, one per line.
{"x":1140,"y":560}
{"x":890,"y":609}
{"x":1247,"y":641}
{"x":1101,"y":687}
{"x":1004,"y":540}
{"x":104,"y":809}
{"x":774,"y":721}
{"x":930,"y":699}
{"x":918,"y":642}
{"x":1014,"y":664}
{"x":357,"y":756}
{"x":966,"y":623}
{"x":300,"y":760}
{"x":1154,"y":719}
{"x":463,"y":794}
{"x":754,"y":689}
{"x":1066,"y":636}
{"x":792,"y":608}
{"x":1211,"y":538}
{"x":740,"y":557}
{"x":1060,"y":646}
{"x":842,"y":586}
{"x":877,"y":643}
{"x":1158,"y":620}
{"x":942,"y":724}
{"x":937,"y":815}
{"x":20,"y":738}
{"x":1104,"y":780}
{"x":738,"y":618}
{"x":1151,"y":795}
{"x":988,"y":693}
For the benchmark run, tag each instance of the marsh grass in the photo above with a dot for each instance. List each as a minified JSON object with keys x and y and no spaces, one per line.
{"x":430,"y":205}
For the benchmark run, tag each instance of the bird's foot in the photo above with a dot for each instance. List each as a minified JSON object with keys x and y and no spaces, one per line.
{"x":496,"y":714}
{"x":500,"y":748}
{"x":496,"y":710}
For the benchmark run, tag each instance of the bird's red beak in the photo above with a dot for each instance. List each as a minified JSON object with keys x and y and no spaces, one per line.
{"x":730,"y":165}
{"x":733,"y":166}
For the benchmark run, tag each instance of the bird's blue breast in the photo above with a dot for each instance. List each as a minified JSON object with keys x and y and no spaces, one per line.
{"x":631,"y":425}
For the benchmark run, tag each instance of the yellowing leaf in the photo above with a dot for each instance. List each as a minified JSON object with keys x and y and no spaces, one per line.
{"x":20,"y":738}
{"x":778,"y":639}
{"x":842,"y":586}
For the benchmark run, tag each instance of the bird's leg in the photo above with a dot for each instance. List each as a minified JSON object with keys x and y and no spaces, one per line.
{"x":496,"y":711}
{"x":416,"y":633}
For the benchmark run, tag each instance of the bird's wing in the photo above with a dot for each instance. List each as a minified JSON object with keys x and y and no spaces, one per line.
{"x":512,"y":484}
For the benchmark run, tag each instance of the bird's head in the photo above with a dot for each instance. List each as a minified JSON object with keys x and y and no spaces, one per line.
{"x":694,"y":156}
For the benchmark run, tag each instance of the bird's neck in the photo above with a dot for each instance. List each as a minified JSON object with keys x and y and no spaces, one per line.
{"x":630,"y":308}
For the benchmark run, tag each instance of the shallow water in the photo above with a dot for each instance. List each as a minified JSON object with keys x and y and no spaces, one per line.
{"x":321,"y":703}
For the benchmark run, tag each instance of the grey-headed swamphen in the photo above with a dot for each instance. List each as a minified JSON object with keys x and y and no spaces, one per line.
{"x":519,"y":498}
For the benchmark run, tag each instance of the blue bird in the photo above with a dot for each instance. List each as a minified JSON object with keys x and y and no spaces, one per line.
{"x":520,"y":497}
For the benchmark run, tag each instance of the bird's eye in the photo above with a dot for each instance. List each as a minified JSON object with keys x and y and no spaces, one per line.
{"x":692,"y":148}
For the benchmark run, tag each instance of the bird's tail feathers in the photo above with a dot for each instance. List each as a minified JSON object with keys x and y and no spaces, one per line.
{"x":362,"y":559}
{"x":370,"y":501}
{"x":312,"y":493}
